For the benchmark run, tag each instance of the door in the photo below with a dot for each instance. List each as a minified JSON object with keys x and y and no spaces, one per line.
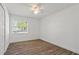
{"x":1,"y":30}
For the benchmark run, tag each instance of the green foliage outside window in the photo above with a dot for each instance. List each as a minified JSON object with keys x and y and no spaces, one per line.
{"x":22,"y":25}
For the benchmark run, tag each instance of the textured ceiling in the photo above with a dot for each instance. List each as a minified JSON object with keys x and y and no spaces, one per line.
{"x":24,"y":9}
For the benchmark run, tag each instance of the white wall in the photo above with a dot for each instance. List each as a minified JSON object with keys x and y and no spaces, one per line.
{"x":1,"y":30}
{"x":33,"y":29}
{"x":62,"y":29}
{"x":6,"y":25}
{"x":4,"y":28}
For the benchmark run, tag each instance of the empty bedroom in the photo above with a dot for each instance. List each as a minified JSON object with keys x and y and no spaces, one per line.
{"x":39,"y":28}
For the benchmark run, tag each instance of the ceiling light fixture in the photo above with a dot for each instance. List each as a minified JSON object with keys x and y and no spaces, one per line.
{"x":36,"y":8}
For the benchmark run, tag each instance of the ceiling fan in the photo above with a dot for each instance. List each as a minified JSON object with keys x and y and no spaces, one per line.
{"x":37,"y":8}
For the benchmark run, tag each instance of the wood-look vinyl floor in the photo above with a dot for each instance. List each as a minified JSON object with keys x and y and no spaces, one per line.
{"x":36,"y":47}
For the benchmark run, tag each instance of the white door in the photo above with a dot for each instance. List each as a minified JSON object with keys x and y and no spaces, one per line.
{"x":1,"y":30}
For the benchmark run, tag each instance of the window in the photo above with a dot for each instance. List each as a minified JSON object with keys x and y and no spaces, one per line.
{"x":20,"y":26}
